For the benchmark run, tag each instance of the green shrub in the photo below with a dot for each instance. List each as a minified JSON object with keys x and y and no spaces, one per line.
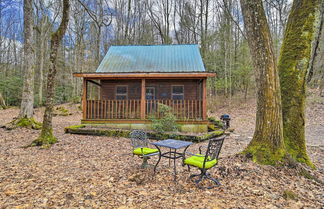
{"x":76,"y":99}
{"x":167,"y":121}
{"x":62,"y":111}
{"x":215,"y":122}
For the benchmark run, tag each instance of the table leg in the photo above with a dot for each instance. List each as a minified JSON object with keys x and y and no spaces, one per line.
{"x":183,"y":157}
{"x":174,"y":165}
{"x":170,"y":158}
{"x":160,"y":155}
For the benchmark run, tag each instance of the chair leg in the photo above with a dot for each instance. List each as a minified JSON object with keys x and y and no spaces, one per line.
{"x":204,"y":175}
{"x":187,"y":165}
{"x":145,"y":163}
{"x":201,"y":176}
{"x":194,"y":175}
{"x":217,"y":183}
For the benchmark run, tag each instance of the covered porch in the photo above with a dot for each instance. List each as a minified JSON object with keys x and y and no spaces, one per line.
{"x":137,"y":97}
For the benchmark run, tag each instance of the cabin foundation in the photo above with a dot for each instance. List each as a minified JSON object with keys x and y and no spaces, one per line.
{"x":193,"y":127}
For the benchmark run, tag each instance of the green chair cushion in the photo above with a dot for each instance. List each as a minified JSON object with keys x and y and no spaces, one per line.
{"x":144,"y":151}
{"x":198,"y":161}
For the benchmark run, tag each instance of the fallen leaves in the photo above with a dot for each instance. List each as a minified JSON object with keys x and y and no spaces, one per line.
{"x":100,"y":172}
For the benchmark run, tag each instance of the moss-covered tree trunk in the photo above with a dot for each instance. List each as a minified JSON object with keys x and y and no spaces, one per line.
{"x":46,"y":137}
{"x":293,"y":64}
{"x":267,"y":146}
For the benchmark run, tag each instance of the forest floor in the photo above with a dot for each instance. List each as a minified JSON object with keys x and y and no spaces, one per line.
{"x":100,"y":172}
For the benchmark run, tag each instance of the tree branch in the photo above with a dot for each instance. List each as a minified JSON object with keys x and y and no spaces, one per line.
{"x":232,"y":18}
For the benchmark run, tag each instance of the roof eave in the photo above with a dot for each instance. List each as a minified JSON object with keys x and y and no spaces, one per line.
{"x":143,"y":75}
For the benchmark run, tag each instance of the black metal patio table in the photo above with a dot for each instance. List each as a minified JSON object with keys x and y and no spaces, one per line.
{"x":173,"y":145}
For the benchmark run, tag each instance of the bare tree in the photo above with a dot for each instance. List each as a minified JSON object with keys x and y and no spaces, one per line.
{"x":2,"y":102}
{"x":159,"y":13}
{"x":25,"y":117}
{"x":46,"y":137}
{"x":78,"y":31}
{"x":42,"y":28}
{"x":27,"y":102}
{"x":100,"y":19}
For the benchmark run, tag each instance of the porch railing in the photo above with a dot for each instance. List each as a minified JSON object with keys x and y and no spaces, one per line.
{"x":131,"y":109}
{"x":182,"y":109}
{"x":113,"y":109}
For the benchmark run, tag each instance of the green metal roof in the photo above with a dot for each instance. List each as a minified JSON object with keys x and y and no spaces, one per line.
{"x":152,"y":58}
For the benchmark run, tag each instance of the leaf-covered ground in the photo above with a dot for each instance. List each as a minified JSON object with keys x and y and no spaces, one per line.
{"x":99,"y":172}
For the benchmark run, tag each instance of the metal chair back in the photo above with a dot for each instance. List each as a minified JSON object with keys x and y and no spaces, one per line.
{"x":213,"y":149}
{"x":138,"y":139}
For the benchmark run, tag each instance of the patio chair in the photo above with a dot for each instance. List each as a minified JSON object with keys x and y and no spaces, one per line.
{"x":205,"y":162}
{"x":140,"y":143}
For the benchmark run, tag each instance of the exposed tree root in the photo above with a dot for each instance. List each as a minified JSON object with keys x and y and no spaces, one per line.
{"x":297,"y":151}
{"x":30,"y":123}
{"x":262,"y":153}
{"x":45,"y":140}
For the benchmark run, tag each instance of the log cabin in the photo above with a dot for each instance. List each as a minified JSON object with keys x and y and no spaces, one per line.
{"x":132,"y":81}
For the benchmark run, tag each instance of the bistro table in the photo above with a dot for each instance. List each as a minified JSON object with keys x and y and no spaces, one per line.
{"x":173,"y":145}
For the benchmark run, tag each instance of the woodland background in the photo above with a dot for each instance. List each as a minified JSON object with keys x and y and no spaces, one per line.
{"x":85,"y":171}
{"x":216,"y":25}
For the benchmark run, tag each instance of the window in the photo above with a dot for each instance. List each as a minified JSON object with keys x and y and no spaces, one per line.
{"x":177,"y":93}
{"x":121,"y":92}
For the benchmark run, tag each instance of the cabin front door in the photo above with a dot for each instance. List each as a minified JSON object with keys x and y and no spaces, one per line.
{"x":150,"y":97}
{"x":150,"y":93}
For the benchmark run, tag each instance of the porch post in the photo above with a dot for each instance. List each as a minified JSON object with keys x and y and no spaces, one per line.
{"x":143,"y":99}
{"x":204,"y":100}
{"x":84,"y":99}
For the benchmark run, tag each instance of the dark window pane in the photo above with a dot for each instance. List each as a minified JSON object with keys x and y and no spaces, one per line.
{"x":121,"y":90}
{"x":177,"y":96}
{"x":121,"y":97}
{"x":149,"y":91}
{"x":177,"y":89}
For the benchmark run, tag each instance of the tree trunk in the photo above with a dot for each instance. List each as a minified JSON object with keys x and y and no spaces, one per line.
{"x":315,"y":58}
{"x":98,"y":40}
{"x":46,"y":137}
{"x":293,"y":65}
{"x":27,"y":100}
{"x":127,"y":21}
{"x":42,"y":63}
{"x":25,"y":117}
{"x":267,"y":145}
{"x":2,"y":102}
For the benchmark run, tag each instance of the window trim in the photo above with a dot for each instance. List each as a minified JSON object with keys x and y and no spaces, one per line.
{"x":177,"y":94}
{"x":125,"y":94}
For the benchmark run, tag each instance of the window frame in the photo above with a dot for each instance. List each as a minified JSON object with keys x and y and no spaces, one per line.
{"x":119,"y":94}
{"x":177,"y":94}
